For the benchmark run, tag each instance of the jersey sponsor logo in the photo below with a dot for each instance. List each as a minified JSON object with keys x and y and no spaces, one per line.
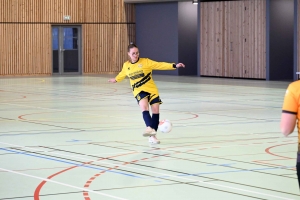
{"x":136,"y":76}
{"x":143,"y":81}
{"x":140,"y":65}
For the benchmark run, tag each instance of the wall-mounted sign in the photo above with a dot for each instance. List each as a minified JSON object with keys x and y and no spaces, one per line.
{"x":67,"y":17}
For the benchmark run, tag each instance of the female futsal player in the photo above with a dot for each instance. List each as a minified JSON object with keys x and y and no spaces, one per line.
{"x":139,"y":71}
{"x":290,"y":115}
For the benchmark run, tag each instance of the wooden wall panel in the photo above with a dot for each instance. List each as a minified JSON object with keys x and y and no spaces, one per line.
{"x":255,"y":35}
{"x":112,"y":38}
{"x":19,"y":56}
{"x":114,"y":11}
{"x":241,"y":31}
{"x":227,"y":44}
{"x":237,"y":34}
{"x":52,"y":11}
{"x":25,"y":34}
{"x":211,"y":38}
{"x":101,"y":39}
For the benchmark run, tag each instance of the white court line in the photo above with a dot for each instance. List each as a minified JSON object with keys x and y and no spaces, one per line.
{"x":64,"y":184}
{"x":163,"y":174}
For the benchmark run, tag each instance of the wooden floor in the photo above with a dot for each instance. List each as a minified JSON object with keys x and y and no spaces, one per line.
{"x":80,"y":138}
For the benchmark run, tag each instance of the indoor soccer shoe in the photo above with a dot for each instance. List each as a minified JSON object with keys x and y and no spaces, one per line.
{"x":149,"y":132}
{"x":153,"y":140}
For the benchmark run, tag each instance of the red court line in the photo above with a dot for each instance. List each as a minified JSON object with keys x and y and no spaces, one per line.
{"x":39,"y":187}
{"x":22,"y":117}
{"x":22,"y":97}
{"x":88,"y":183}
{"x":268,"y":163}
{"x":86,"y":195}
{"x":268,"y":151}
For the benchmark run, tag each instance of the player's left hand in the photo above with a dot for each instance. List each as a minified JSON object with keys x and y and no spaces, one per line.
{"x":180,"y":65}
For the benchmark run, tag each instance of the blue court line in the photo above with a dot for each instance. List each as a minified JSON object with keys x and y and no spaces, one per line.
{"x":226,"y":165}
{"x":134,"y":176}
{"x":71,"y":163}
{"x":74,"y":140}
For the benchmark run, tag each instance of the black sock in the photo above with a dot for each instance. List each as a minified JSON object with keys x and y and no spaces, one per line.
{"x":155,"y":121}
{"x":147,"y":118}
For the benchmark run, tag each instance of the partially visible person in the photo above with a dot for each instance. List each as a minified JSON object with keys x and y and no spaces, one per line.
{"x":139,"y":71}
{"x":291,"y":115}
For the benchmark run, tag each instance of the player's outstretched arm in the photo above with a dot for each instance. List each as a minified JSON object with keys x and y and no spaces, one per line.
{"x":112,"y":80}
{"x":180,"y":65}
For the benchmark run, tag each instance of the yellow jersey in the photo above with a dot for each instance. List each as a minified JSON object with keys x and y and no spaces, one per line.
{"x":140,"y":74}
{"x":291,"y":104}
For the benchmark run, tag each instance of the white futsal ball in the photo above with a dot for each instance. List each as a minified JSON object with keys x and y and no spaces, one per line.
{"x":165,"y":126}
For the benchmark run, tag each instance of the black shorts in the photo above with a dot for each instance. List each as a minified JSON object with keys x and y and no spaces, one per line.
{"x":152,"y":98}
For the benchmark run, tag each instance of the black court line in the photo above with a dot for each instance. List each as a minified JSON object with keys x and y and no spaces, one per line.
{"x":214,"y":136}
{"x":3,"y":154}
{"x":205,"y":142}
{"x":241,"y":162}
{"x":179,"y":172}
{"x":289,"y":174}
{"x":178,"y":182}
{"x":239,"y":169}
{"x":203,"y":176}
{"x":188,"y":146}
{"x":103,"y":166}
{"x":100,"y":190}
{"x":86,"y":130}
{"x":201,"y":155}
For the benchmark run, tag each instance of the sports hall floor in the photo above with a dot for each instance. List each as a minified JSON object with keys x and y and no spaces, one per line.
{"x":80,"y":138}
